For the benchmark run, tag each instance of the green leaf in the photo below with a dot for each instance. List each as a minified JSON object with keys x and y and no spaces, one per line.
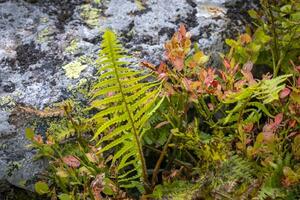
{"x":65,"y":197}
{"x":286,"y":8}
{"x":126,"y":110}
{"x":296,"y":16}
{"x":41,"y":188}
{"x":232,"y":43}
{"x":261,"y":37}
{"x":261,"y":106}
{"x":253,"y":14}
{"x":29,"y":133}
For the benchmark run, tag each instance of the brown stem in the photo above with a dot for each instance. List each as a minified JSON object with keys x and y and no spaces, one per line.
{"x":179,"y":162}
{"x":159,"y":161}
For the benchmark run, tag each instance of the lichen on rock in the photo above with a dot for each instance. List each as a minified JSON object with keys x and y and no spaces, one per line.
{"x":51,"y":44}
{"x":90,"y":15}
{"x":74,"y":68}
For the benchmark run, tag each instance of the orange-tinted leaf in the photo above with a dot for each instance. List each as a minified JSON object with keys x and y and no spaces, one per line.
{"x":248,"y":127}
{"x":182,"y":30}
{"x":71,"y":161}
{"x":245,"y":38}
{"x":177,"y":48}
{"x":292,"y":123}
{"x":162,"y":68}
{"x":38,"y":139}
{"x":178,"y":63}
{"x":148,"y":65}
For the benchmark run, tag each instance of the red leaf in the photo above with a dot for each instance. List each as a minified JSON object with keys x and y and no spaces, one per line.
{"x":71,"y":161}
{"x":248,"y":127}
{"x":226,"y":64}
{"x":298,"y":82}
{"x":284,"y":93}
{"x":278,"y":119}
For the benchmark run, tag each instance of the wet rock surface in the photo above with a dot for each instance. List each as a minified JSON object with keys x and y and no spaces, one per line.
{"x":48,"y":48}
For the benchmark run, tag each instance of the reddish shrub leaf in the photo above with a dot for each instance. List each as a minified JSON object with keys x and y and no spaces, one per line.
{"x":248,"y":127}
{"x":182,"y":30}
{"x":71,"y":161}
{"x":226,"y":64}
{"x":38,"y":139}
{"x":284,"y":93}
{"x":292,"y":123}
{"x":246,"y":71}
{"x":178,"y":63}
{"x":278,"y":119}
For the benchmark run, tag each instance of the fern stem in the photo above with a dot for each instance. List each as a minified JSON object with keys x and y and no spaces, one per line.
{"x":131,"y":121}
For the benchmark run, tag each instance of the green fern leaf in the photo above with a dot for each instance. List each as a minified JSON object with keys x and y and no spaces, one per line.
{"x":127,"y":108}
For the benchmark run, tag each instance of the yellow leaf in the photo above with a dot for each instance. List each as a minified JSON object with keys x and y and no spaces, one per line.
{"x":62,"y":173}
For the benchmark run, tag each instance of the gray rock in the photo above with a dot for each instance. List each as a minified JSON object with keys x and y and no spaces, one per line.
{"x":48,"y":48}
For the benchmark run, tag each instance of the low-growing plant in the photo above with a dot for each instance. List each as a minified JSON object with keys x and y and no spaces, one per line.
{"x":183,"y":129}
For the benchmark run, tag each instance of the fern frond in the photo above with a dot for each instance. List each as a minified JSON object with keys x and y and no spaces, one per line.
{"x":266,"y":90}
{"x":127,"y":107}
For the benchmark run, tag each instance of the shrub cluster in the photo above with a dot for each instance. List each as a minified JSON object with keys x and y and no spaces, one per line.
{"x":183,"y":130}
